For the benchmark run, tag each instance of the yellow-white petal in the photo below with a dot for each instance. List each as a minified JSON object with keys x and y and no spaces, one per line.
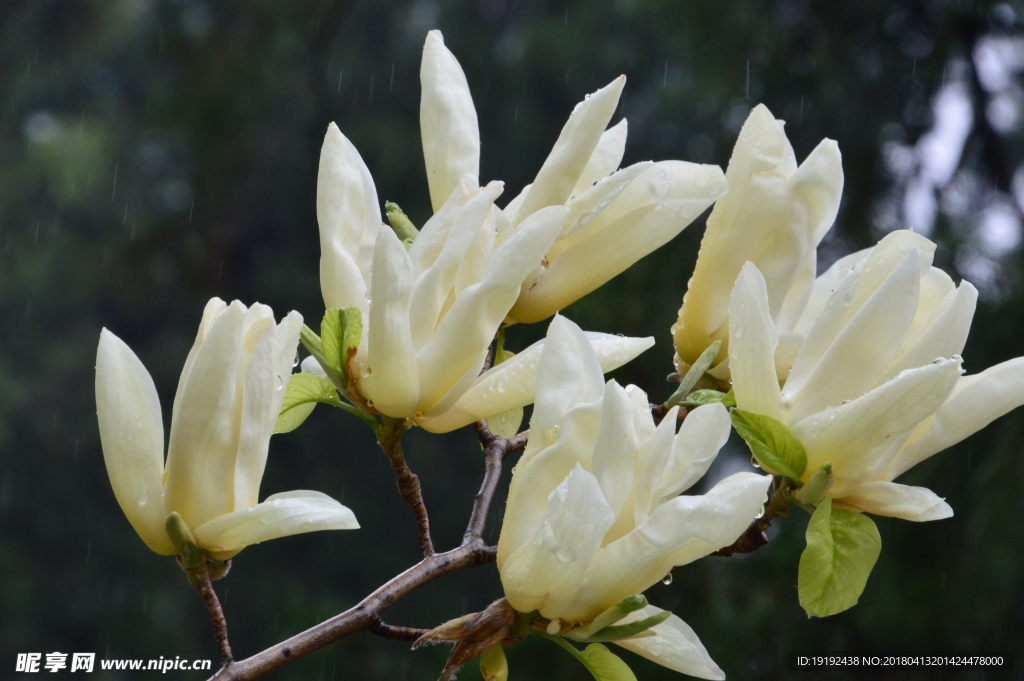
{"x":266,"y":381}
{"x":448,"y":124}
{"x":678,"y":532}
{"x":513,"y":383}
{"x":393,"y":382}
{"x":616,"y":449}
{"x":673,"y":644}
{"x":572,"y":151}
{"x":606,"y":157}
{"x":434,"y":233}
{"x":752,"y":341}
{"x":702,"y":435}
{"x":348,"y":214}
{"x":547,"y":571}
{"x":945,"y":333}
{"x":976,"y":401}
{"x":132,"y":435}
{"x":200,"y":471}
{"x":468,"y":327}
{"x":280,"y":515}
{"x":434,"y":285}
{"x":919,"y":504}
{"x":859,"y":437}
{"x":600,"y":251}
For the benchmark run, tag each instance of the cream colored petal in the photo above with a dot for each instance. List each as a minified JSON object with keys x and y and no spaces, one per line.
{"x":740,"y":225}
{"x":448,"y":124}
{"x":540,"y":471}
{"x":857,"y":435}
{"x":885,"y":257}
{"x":393,"y":381}
{"x":132,"y":435}
{"x":616,"y":195}
{"x":673,"y":645}
{"x":855,"y":361}
{"x":280,"y":515}
{"x":655,"y":458}
{"x":468,"y":327}
{"x":615,"y":452}
{"x":977,"y":401}
{"x":825,"y":285}
{"x":752,"y":341}
{"x":266,"y":380}
{"x":678,"y":532}
{"x":512,"y":384}
{"x":606,"y":157}
{"x":456,"y":392}
{"x":945,"y":333}
{"x":897,"y":501}
{"x":572,"y":151}
{"x":434,"y":284}
{"x":607,"y":252}
{"x":703,"y":433}
{"x":642,"y":418}
{"x":348,"y":214}
{"x":200,"y":470}
{"x":570,"y":374}
{"x":511,"y":210}
{"x":213,"y":309}
{"x":547,"y":571}
{"x":434,"y":234}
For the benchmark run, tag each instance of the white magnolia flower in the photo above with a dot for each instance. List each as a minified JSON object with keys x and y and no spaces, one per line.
{"x":876,"y":387}
{"x":430,"y":313}
{"x":594,"y":513}
{"x":615,"y":217}
{"x":773,"y":216}
{"x":227,"y":403}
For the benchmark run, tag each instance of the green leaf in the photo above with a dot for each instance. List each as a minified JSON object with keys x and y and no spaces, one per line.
{"x":304,"y":391}
{"x":609,"y":617}
{"x":696,"y":372}
{"x":730,"y":399}
{"x":842,"y":547}
{"x":493,"y":665}
{"x":603,"y":664}
{"x":774,"y":446}
{"x":817,"y":485}
{"x":620,"y":631}
{"x":340,"y":332}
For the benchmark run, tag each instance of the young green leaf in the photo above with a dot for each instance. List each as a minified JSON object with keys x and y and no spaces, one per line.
{"x":603,"y":664}
{"x":696,"y":372}
{"x":340,"y":332}
{"x":304,"y":391}
{"x":610,"y":616}
{"x":493,"y":665}
{"x":774,"y":446}
{"x":842,"y":547}
{"x":701,"y":397}
{"x":617,"y":632}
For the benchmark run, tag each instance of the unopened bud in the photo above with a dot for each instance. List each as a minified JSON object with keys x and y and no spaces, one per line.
{"x":817,"y":486}
{"x":400,"y":222}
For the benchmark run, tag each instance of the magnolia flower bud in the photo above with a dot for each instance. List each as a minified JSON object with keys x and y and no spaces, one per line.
{"x":227,"y":403}
{"x":774,"y":216}
{"x":876,"y":386}
{"x":594,"y":513}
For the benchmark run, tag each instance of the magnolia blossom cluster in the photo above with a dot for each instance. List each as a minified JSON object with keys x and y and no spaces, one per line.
{"x":855,"y":375}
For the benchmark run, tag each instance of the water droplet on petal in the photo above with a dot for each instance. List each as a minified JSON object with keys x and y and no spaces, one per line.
{"x":667,"y":579}
{"x":143,"y":497}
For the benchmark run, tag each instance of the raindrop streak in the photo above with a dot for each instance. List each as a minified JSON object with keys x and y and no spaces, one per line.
{"x":88,"y":553}
{"x":75,"y":457}
{"x":391,"y":84}
{"x":748,"y":79}
{"x":224,"y":601}
{"x":192,"y":208}
{"x":340,"y":74}
{"x":801,"y":107}
{"x":667,"y":579}
{"x":566,"y":15}
{"x":516,"y":119}
{"x":124,"y":218}
{"x":913,"y":69}
{"x":36,"y":239}
{"x":664,"y":78}
{"x":113,"y":192}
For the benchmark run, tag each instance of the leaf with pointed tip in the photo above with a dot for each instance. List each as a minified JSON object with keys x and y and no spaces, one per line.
{"x":303,"y":393}
{"x":609,"y":617}
{"x":701,"y":397}
{"x":340,"y":333}
{"x":493,"y":665}
{"x":774,"y":446}
{"x":695,"y":373}
{"x":618,"y":632}
{"x":603,"y":664}
{"x":842,"y":547}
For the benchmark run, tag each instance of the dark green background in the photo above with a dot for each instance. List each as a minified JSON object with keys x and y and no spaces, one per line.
{"x":212,"y":114}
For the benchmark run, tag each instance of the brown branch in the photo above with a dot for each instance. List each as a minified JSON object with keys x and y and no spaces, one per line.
{"x":518,"y":443}
{"x":495,"y":450}
{"x":754,"y":536}
{"x":201,"y":581}
{"x":389,"y":437}
{"x":379,"y":628}
{"x":359,"y":617}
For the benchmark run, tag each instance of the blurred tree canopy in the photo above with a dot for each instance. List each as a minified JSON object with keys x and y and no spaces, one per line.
{"x":155,"y":153}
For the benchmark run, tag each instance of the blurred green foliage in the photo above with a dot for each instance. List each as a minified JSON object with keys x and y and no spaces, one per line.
{"x":155,"y":153}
